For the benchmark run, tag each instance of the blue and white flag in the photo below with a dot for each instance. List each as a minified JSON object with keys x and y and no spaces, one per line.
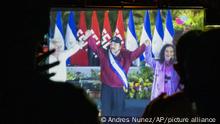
{"x":146,"y":33}
{"x":71,"y":34}
{"x":117,"y":68}
{"x":157,"y":41}
{"x":131,"y":43}
{"x":169,"y":30}
{"x":58,"y":30}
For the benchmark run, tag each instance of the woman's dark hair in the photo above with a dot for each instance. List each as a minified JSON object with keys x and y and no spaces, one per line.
{"x":162,"y":57}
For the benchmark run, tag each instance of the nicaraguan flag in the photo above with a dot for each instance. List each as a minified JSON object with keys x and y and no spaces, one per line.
{"x":81,"y":57}
{"x":157,"y":41}
{"x":58,"y":30}
{"x":169,"y":30}
{"x":146,"y":33}
{"x":131,"y":38}
{"x":71,"y":34}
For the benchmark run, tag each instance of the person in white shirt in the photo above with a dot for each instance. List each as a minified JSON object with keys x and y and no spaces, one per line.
{"x":62,"y":55}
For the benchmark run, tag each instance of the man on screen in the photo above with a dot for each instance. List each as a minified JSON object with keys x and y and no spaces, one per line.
{"x":115,"y":64}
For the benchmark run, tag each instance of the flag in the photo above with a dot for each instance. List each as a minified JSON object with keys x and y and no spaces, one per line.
{"x":58,"y":30}
{"x":169,"y":30}
{"x":82,"y":27}
{"x":71,"y":37}
{"x":157,"y":40}
{"x":93,"y":58}
{"x":81,"y":57}
{"x":131,"y":38}
{"x":106,"y":32}
{"x":95,"y":28}
{"x":71,"y":32}
{"x":119,"y":30}
{"x":146,"y":33}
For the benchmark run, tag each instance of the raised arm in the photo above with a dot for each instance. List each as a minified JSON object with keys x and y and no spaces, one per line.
{"x":76,"y":47}
{"x":92,"y":44}
{"x":69,"y":52}
{"x":148,"y":56}
{"x":136,"y":53}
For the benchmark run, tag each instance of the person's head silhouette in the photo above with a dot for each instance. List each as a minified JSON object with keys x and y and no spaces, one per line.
{"x":183,"y":48}
{"x":202,"y":71}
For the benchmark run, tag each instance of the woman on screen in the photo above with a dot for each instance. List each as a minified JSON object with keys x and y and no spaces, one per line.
{"x":166,"y":79}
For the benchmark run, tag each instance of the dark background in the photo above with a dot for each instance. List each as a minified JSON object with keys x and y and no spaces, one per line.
{"x":212,"y":6}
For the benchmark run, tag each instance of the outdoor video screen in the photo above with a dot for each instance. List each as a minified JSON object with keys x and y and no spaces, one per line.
{"x":133,"y":27}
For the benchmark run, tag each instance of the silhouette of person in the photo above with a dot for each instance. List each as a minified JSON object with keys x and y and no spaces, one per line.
{"x":30,"y":97}
{"x":202,"y":70}
{"x":197,"y":66}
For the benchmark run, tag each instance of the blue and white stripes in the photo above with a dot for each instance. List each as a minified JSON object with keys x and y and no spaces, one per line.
{"x":157,"y":40}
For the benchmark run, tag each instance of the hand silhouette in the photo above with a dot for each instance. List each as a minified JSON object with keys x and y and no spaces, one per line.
{"x":42,"y":67}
